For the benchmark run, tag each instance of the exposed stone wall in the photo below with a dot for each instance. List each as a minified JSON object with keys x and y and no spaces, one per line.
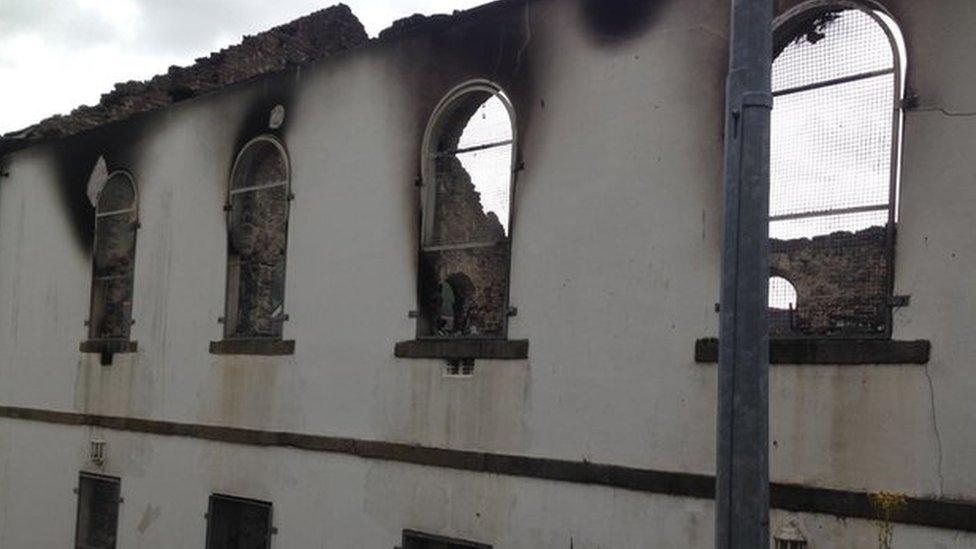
{"x":114,"y":261}
{"x":841,"y":282}
{"x":459,"y":215}
{"x":258,"y":244}
{"x":460,"y":218}
{"x":303,"y":40}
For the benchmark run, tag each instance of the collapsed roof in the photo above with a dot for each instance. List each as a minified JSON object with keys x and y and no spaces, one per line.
{"x":304,"y":40}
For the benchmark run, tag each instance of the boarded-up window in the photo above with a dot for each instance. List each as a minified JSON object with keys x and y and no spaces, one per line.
{"x":836,"y":125}
{"x":257,"y":238}
{"x":114,"y":259}
{"x":466,"y":239}
{"x":98,"y":512}
{"x":237,"y":523}
{"x":419,"y":540}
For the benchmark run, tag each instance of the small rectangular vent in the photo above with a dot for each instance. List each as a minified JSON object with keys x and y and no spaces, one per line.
{"x":462,"y":367}
{"x":789,"y":536}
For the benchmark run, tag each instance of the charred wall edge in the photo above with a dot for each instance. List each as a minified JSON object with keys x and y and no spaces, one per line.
{"x":927,"y":512}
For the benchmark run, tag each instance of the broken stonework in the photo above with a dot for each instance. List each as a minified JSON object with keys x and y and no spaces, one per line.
{"x":303,"y":40}
{"x":405,"y":25}
{"x":841,"y":280}
{"x":474,"y":301}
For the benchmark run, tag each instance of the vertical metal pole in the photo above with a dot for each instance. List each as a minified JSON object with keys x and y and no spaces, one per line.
{"x":742,"y":477}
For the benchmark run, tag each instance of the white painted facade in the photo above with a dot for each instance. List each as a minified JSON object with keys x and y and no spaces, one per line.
{"x":615,"y":273}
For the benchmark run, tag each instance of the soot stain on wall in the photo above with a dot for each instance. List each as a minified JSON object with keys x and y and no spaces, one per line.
{"x":276,"y":89}
{"x":121,"y":143}
{"x":491,"y":43}
{"x":74,"y":159}
{"x":612,"y":22}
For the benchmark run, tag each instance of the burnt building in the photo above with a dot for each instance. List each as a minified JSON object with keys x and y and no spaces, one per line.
{"x":456,"y":285}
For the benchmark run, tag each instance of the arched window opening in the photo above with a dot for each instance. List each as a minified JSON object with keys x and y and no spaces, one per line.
{"x":456,"y":292}
{"x":113,"y":259}
{"x":782,"y":294}
{"x":465,"y":248}
{"x":782,"y":306}
{"x":257,"y":230}
{"x":836,"y":132}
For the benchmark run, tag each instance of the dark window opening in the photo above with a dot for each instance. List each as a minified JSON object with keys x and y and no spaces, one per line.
{"x":257,"y":229}
{"x":465,"y":249}
{"x":113,"y":262}
{"x":98,"y":512}
{"x":456,"y":297}
{"x":237,"y":523}
{"x":418,"y":540}
{"x":836,"y":131}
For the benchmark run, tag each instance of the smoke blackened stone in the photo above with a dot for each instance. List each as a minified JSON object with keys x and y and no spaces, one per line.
{"x":407,"y":24}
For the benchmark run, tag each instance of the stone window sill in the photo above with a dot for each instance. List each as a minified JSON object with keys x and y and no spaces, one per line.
{"x":109,"y":346}
{"x":458,"y":349}
{"x":255,"y":347}
{"x":830,"y":351}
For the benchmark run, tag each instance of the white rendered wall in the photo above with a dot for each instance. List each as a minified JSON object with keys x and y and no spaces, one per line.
{"x":615,"y":274}
{"x":330,"y":501}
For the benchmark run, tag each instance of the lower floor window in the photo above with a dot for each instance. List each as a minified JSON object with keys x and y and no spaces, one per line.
{"x":237,"y":523}
{"x":98,"y":512}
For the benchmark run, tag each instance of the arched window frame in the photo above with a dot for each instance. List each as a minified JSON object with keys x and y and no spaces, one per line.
{"x":784,"y":31}
{"x":231,"y":302}
{"x":93,"y":325}
{"x":437,"y":122}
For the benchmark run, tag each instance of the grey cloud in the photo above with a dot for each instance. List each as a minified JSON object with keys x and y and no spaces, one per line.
{"x":180,"y":26}
{"x":187,"y":28}
{"x":55,"y":22}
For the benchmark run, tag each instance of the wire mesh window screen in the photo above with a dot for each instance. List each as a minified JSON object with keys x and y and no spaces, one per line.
{"x":114,"y":260}
{"x":832,"y":148}
{"x":257,"y":223}
{"x":834,"y":44}
{"x":467,"y":199}
{"x":833,"y":151}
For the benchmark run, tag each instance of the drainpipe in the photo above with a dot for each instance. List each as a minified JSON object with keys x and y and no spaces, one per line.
{"x":742,"y":476}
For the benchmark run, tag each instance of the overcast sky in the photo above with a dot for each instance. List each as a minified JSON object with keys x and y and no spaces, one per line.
{"x":58,"y":54}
